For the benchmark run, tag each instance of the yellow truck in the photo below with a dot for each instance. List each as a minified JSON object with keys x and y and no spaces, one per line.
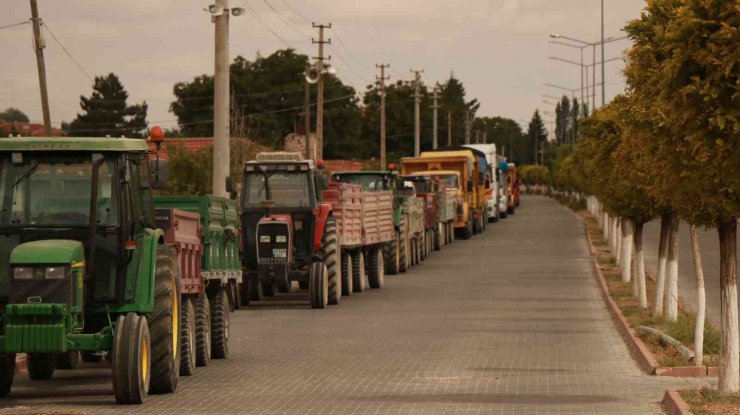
{"x":471,"y":178}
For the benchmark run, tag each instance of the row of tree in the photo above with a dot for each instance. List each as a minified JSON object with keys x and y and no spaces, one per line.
{"x":670,"y":148}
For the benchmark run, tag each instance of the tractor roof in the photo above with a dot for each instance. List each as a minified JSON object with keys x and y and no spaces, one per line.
{"x":434,"y":173}
{"x":73,"y":144}
{"x":367,"y":172}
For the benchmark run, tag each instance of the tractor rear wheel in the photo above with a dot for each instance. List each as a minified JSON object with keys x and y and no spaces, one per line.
{"x":468,"y":231}
{"x":220,"y":325}
{"x":69,"y":360}
{"x":41,"y":366}
{"x":187,"y":338}
{"x":131,"y":359}
{"x":358,"y":271}
{"x":7,"y":372}
{"x":376,"y":273}
{"x":346,"y":265}
{"x":318,"y":285}
{"x":202,"y":331}
{"x":164,"y":325}
{"x":403,"y":247}
{"x":330,"y":253}
{"x":439,"y":237}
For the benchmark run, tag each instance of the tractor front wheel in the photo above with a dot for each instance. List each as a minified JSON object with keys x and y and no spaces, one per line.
{"x":203,"y":331}
{"x":187,"y":338}
{"x":164,"y":324}
{"x":7,"y":372}
{"x":220,"y":325}
{"x":403,"y":247}
{"x":391,"y":255}
{"x":318,"y":285}
{"x":376,"y":274}
{"x":131,"y":359}
{"x":41,"y":366}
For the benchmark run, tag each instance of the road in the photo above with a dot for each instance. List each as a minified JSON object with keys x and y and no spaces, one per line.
{"x":509,"y":322}
{"x":709,"y":243}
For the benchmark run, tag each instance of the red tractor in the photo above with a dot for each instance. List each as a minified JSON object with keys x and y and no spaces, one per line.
{"x":289,"y":234}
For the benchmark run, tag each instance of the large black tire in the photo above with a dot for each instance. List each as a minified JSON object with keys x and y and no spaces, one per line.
{"x":41,"y":366}
{"x":164,"y":325}
{"x":244,"y":294}
{"x":202,"y":331}
{"x":346,"y":268}
{"x":376,"y":273}
{"x":503,"y":214}
{"x":131,"y":359}
{"x":235,"y":301}
{"x":69,"y":360}
{"x":439,"y":237}
{"x":284,"y":285}
{"x":403,"y":247}
{"x":187,"y":337}
{"x":467,"y":232}
{"x":7,"y":372}
{"x":423,"y":246}
{"x":412,"y":252}
{"x":330,"y":254}
{"x":391,"y":255}
{"x":358,"y":271}
{"x":318,"y":285}
{"x":220,"y":325}
{"x":511,"y":210}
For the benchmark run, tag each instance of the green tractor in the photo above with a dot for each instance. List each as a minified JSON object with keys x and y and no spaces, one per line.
{"x":83,"y":269}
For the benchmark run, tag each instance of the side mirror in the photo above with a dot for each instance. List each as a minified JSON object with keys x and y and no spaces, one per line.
{"x":158,"y":174}
{"x":470,"y":185}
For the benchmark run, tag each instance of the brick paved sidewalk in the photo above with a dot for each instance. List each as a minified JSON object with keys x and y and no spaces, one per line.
{"x":509,"y":322}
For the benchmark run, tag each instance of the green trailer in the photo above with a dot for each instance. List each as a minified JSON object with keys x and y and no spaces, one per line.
{"x":83,"y":267}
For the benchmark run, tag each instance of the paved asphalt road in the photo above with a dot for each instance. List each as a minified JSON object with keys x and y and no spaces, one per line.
{"x":709,"y":243}
{"x":510,"y":322}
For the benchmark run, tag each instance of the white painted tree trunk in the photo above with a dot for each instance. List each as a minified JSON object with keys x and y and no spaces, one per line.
{"x":671,"y":294}
{"x":729,"y":366}
{"x":665,"y":223}
{"x":618,"y":238}
{"x":701,"y":301}
{"x":640,"y":266}
{"x":626,"y":250}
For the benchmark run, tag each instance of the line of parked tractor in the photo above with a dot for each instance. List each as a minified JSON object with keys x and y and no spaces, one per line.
{"x":93,"y":266}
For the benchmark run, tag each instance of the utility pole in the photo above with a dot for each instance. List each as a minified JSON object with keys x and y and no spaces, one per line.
{"x":221,"y":132}
{"x":485,"y":137}
{"x":417,"y":102}
{"x":39,"y":45}
{"x":307,"y":120}
{"x":603,"y":81}
{"x":382,"y":80}
{"x":449,"y":128}
{"x":320,"y":94}
{"x":435,"y":107}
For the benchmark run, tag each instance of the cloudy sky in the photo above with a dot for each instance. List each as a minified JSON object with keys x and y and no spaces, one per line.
{"x":498,"y":48}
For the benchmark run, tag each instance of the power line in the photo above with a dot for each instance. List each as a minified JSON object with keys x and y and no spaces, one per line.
{"x":306,"y":19}
{"x":341,"y":43}
{"x":287,"y":23}
{"x":14,"y":25}
{"x":259,"y":18}
{"x":46,"y":25}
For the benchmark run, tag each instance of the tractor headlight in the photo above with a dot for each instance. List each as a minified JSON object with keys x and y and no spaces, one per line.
{"x":55,"y":273}
{"x":281,"y":239}
{"x":23,"y":273}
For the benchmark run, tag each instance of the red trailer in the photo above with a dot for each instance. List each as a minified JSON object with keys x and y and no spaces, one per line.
{"x":427,"y":189}
{"x":365,"y":226}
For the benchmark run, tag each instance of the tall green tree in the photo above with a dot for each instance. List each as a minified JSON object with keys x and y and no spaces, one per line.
{"x":536,"y":140}
{"x":12,"y":114}
{"x":453,"y":101}
{"x":506,"y":133}
{"x":106,"y":112}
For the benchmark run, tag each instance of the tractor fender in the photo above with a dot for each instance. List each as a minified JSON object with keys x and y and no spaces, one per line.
{"x":152,"y":239}
{"x":322,"y":213}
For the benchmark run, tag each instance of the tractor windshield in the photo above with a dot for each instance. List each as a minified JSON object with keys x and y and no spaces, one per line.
{"x":449,"y":180}
{"x":53,"y":190}
{"x":287,"y":189}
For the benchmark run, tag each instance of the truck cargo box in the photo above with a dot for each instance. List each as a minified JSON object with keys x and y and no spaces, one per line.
{"x":377,"y":217}
{"x":346,"y":203}
{"x":182,"y":231}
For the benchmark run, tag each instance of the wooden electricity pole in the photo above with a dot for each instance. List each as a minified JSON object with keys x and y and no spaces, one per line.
{"x":381,"y":80}
{"x":435,"y":107}
{"x":320,"y":93}
{"x":39,"y":46}
{"x":449,"y":128}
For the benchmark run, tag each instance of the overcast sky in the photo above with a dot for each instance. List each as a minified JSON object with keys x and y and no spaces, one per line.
{"x":498,"y":48}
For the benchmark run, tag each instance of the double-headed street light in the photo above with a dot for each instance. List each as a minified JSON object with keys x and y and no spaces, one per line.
{"x":581,"y":44}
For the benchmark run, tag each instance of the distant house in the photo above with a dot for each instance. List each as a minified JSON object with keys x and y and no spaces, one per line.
{"x":26,"y":129}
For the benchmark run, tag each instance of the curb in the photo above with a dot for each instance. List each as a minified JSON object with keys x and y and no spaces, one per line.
{"x":674,"y":403}
{"x":644,"y":358}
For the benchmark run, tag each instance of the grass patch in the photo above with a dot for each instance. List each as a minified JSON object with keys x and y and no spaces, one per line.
{"x":623,"y":294}
{"x":711,"y":402}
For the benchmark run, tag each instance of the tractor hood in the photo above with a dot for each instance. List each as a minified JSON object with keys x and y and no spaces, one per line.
{"x":50,"y":251}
